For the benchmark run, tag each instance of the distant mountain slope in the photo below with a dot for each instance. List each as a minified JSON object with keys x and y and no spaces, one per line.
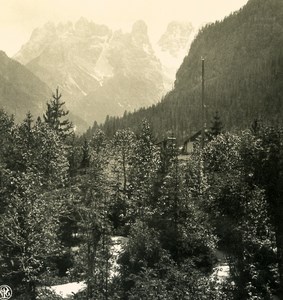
{"x":66,"y":55}
{"x":137,"y":76}
{"x":175,"y":38}
{"x":244,"y":74}
{"x":20,"y":90}
{"x":100,"y":71}
{"x":172,"y":47}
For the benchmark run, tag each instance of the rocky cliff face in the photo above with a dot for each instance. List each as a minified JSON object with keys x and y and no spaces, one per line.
{"x":172,"y":47}
{"x":176,"y":38}
{"x":100,"y":72}
{"x":66,"y":55}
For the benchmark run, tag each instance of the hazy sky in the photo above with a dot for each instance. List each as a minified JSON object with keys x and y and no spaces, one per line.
{"x":19,"y":17}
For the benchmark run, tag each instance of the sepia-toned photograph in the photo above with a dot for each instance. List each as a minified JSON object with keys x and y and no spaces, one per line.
{"x":141,"y":149}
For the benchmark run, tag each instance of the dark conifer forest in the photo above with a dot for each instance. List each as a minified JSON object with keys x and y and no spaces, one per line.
{"x":127,"y":213}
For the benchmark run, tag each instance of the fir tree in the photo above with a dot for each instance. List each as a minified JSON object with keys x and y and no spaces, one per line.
{"x":122,"y":147}
{"x":144,"y":166}
{"x":123,"y":144}
{"x":6,"y":139}
{"x":73,"y":153}
{"x":94,"y":226}
{"x":55,"y":116}
{"x":256,"y":126}
{"x":217,"y":126}
{"x":85,"y":155}
{"x":30,"y":222}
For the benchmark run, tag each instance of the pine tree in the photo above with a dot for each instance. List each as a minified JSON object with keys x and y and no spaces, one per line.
{"x":123,"y":145}
{"x":30,"y":222}
{"x":92,"y":191}
{"x":55,"y":116}
{"x":256,"y":126}
{"x":6,"y":149}
{"x":23,"y":144}
{"x":169,"y":199}
{"x":28,"y":232}
{"x":144,"y":167}
{"x":217,"y":126}
{"x":240,"y":174}
{"x":122,"y":148}
{"x":85,"y":155}
{"x":73,"y":154}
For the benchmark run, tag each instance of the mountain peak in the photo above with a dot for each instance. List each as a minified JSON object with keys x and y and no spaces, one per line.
{"x":47,"y":29}
{"x":3,"y":54}
{"x":65,"y":27}
{"x":140,"y":36}
{"x":176,"y":37}
{"x":49,"y":26}
{"x":82,"y":26}
{"x":82,"y":22}
{"x":179,"y":27}
{"x":139,"y":27}
{"x":95,"y":64}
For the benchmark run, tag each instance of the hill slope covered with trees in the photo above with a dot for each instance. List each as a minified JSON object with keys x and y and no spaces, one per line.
{"x":244,"y":75}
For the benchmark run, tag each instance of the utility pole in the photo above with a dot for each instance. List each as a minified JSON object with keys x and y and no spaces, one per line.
{"x":202,"y":105}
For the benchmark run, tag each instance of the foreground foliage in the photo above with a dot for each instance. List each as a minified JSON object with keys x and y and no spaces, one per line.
{"x":62,"y":199}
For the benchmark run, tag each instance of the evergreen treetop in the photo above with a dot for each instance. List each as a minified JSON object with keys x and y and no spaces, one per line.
{"x":55,"y":116}
{"x":217,"y":125}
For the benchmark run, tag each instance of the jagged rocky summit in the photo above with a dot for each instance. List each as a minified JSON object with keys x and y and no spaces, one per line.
{"x":104,"y":72}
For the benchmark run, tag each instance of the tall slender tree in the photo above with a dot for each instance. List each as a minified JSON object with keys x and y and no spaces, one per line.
{"x":217,"y":125}
{"x":122,"y":148}
{"x":144,"y":167}
{"x":85,"y":155}
{"x":55,"y":115}
{"x":92,"y":261}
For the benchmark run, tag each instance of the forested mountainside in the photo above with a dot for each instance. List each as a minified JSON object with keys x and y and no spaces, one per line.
{"x":243,"y":75}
